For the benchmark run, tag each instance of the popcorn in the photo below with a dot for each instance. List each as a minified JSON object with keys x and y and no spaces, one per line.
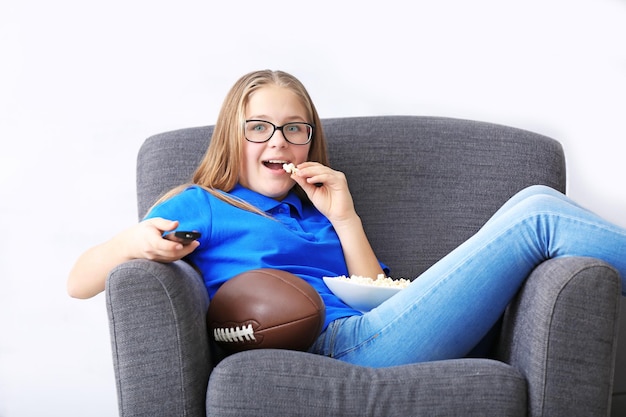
{"x":380,"y":281}
{"x":290,"y":168}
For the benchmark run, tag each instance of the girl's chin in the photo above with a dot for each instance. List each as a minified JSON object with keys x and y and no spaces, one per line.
{"x":277,"y":193}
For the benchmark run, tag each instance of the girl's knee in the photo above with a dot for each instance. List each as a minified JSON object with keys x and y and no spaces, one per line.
{"x":541,"y":202}
{"x":538,"y":198}
{"x":538,"y":189}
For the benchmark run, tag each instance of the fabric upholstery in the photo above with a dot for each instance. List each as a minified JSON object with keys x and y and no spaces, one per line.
{"x":327,"y":387}
{"x":161,"y":361}
{"x":559,"y":334}
{"x":422,"y":185}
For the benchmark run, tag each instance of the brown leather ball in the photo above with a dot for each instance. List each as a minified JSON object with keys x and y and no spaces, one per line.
{"x":265,"y":308}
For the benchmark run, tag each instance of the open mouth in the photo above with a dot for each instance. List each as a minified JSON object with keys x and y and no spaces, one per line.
{"x":275,"y":164}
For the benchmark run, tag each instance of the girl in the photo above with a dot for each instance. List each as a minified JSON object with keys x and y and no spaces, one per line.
{"x":253,"y":214}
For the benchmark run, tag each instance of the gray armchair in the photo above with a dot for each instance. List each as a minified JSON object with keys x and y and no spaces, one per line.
{"x":422,"y":185}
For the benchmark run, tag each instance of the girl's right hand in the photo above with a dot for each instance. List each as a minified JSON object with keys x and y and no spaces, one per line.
{"x":145,"y":241}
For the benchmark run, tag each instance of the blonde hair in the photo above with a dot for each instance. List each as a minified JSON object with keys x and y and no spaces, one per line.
{"x":218,"y":172}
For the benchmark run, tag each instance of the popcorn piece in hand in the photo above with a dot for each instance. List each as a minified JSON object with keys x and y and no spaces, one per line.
{"x":290,"y":168}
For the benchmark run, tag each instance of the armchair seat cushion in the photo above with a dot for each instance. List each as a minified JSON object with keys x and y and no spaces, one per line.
{"x":263,"y":383}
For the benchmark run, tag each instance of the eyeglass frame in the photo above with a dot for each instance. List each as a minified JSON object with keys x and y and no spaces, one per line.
{"x":312,"y":126}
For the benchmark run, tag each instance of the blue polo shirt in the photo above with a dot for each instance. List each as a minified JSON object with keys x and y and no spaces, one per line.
{"x":298,"y":239}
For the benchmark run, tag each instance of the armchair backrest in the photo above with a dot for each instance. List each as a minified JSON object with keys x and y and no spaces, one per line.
{"x":422,"y":185}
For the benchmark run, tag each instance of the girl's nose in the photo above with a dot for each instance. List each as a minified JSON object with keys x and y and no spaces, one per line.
{"x":278,"y":139}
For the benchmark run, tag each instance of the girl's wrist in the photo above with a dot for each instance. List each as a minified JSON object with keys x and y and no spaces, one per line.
{"x":347,"y":223}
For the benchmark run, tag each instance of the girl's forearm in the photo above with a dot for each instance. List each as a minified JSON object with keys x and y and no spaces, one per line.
{"x":87,"y":277}
{"x":359,"y":255}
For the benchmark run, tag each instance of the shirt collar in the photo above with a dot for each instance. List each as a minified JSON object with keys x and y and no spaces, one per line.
{"x":266,"y":203}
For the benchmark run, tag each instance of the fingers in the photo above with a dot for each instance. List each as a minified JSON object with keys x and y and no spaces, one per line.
{"x":165,"y":250}
{"x":333,"y":197}
{"x":163,"y":225}
{"x":316,"y":174}
{"x":155,"y":247}
{"x":179,"y":251}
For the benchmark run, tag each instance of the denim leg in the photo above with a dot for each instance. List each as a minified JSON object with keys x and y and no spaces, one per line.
{"x":533,"y":190}
{"x":451,"y":306}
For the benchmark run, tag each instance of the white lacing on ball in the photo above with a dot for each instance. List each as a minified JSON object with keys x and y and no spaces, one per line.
{"x":234,"y":334}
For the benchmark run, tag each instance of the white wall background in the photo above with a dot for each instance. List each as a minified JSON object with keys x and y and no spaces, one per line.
{"x":82,"y":84}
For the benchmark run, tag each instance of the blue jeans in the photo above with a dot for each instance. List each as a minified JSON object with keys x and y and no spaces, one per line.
{"x":448,"y":309}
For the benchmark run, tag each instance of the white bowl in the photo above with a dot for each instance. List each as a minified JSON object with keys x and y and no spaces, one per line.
{"x":362,"y":297}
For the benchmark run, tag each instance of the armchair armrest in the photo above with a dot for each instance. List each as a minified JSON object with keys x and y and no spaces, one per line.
{"x":161,"y":355}
{"x":560,"y":333}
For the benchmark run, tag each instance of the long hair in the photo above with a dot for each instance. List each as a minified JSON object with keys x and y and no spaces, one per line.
{"x":218,"y":172}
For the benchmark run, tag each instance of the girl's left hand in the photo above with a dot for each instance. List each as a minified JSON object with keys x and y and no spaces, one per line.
{"x":332,"y":198}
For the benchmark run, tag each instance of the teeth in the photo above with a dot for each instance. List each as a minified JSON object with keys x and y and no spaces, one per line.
{"x":276,"y":161}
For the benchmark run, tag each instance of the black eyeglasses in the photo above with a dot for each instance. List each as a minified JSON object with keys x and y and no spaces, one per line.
{"x":296,"y":133}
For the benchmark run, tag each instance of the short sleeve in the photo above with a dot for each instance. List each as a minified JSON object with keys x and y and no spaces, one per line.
{"x":192,"y":209}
